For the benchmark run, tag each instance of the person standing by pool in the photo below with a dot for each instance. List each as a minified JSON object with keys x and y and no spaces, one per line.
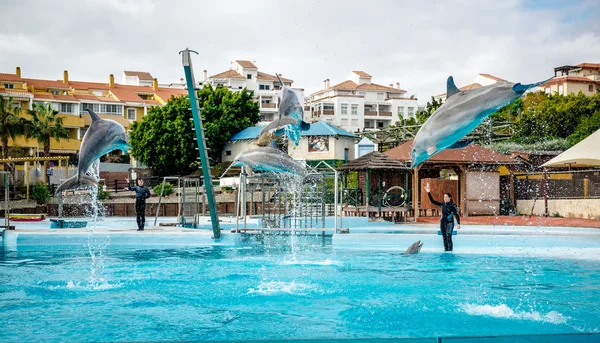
{"x":141,"y":194}
{"x":449,"y":212}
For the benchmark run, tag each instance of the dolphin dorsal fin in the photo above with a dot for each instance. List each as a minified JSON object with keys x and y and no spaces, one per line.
{"x":450,"y":87}
{"x":93,"y":115}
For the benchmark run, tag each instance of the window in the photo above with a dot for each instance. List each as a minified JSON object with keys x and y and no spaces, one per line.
{"x":380,"y":124}
{"x":82,"y":132}
{"x":354,"y":110}
{"x":146,"y":96}
{"x":380,"y":96}
{"x":591,"y":88}
{"x":66,"y":108}
{"x":361,"y":93}
{"x":547,"y":90}
{"x":344,"y":108}
{"x":267,"y":87}
{"x":249,"y":76}
{"x":131,"y":113}
{"x":354,"y":122}
{"x":411,"y":111}
{"x":228,"y":153}
{"x":328,"y":107}
{"x":560,"y":89}
{"x":111,"y":109}
{"x":344,"y":122}
{"x":54,"y":92}
{"x":401,"y":110}
{"x":9,"y":85}
{"x":261,"y":87}
{"x":97,"y":93}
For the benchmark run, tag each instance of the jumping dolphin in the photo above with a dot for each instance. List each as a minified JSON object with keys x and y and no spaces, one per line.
{"x":414,"y":248}
{"x":270,"y":160}
{"x":289,"y":114}
{"x":102,"y":137}
{"x":462,"y":112}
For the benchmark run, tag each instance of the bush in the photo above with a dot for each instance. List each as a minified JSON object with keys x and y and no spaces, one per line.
{"x":226,"y":189}
{"x":103,"y":195}
{"x":40,"y":193}
{"x":166,"y":192}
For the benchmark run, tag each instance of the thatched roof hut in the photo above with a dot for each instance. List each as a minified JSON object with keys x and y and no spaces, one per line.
{"x":374,"y":161}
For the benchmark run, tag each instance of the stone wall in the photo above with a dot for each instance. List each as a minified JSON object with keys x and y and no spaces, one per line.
{"x":570,"y":208}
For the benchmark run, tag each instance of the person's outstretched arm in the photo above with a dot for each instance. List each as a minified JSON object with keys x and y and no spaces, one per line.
{"x":437,"y":203}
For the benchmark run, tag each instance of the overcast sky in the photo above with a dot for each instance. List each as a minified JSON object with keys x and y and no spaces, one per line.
{"x":416,"y":43}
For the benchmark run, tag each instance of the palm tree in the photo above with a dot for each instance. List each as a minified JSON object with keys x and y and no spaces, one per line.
{"x":44,"y":125}
{"x":11,"y":126}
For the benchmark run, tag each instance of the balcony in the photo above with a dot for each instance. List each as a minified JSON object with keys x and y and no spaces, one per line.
{"x":385,"y":114}
{"x":370,"y":113}
{"x":328,"y":112}
{"x":71,"y":120}
{"x":268,"y":105}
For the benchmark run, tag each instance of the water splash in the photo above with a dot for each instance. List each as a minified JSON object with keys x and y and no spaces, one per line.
{"x":503,"y":311}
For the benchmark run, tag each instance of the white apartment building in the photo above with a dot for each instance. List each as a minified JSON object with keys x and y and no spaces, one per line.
{"x":266,"y":87}
{"x":479,"y":81}
{"x":358,"y":104}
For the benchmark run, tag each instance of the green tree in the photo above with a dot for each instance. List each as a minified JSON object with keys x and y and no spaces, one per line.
{"x":430,"y":108}
{"x":164,"y":140}
{"x":44,"y":125}
{"x":226,"y":113}
{"x":11,"y":126}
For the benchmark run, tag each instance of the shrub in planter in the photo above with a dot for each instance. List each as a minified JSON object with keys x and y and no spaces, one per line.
{"x":166,"y":192}
{"x":40,"y":193}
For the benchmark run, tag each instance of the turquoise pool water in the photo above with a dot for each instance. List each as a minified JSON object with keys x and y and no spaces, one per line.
{"x":286,"y":288}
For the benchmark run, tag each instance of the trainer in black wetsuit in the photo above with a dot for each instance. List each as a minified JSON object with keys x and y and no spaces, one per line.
{"x":449,"y":212}
{"x":141,"y":194}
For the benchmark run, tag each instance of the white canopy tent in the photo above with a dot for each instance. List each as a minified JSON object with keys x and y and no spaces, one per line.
{"x":584,"y":154}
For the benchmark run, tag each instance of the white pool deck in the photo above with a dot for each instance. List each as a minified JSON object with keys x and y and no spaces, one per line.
{"x":564,"y":242}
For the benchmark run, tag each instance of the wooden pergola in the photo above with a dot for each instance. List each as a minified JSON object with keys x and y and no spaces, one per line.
{"x":472,"y":157}
{"x":382,"y":166}
{"x":62,"y":161}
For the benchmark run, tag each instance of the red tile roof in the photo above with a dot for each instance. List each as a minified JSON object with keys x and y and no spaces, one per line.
{"x":167,"y":93}
{"x":142,"y":75}
{"x":65,"y":98}
{"x":568,"y":78}
{"x":492,"y":77}
{"x":246,"y":64}
{"x":361,"y":73}
{"x":43,"y":96}
{"x":10,"y":77}
{"x":43,"y":84}
{"x":472,"y":153}
{"x":230,"y":74}
{"x":268,"y":77}
{"x":350,"y":85}
{"x":88,"y":85}
{"x":589,"y":65}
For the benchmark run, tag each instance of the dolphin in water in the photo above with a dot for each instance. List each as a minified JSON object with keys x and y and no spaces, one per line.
{"x":269,"y":159}
{"x":462,"y":112}
{"x":414,"y":248}
{"x":289,"y":114}
{"x":102,"y":137}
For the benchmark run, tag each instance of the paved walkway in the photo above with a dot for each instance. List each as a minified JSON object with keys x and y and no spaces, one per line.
{"x":520,"y":220}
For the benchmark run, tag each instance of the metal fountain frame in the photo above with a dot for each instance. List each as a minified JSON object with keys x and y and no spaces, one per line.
{"x":322,"y":168}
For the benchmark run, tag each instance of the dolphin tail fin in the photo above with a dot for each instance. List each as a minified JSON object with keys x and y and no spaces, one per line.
{"x":451,"y":88}
{"x":520,"y":89}
{"x":304,"y":126}
{"x":77,"y":182}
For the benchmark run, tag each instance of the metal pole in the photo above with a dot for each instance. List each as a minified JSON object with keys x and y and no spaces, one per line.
{"x":200,"y":139}
{"x":335,"y":202}
{"x":162,"y":189}
{"x":243,"y":197}
{"x":6,"y":204}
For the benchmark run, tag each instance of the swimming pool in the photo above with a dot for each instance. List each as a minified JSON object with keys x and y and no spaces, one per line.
{"x":275,"y":287}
